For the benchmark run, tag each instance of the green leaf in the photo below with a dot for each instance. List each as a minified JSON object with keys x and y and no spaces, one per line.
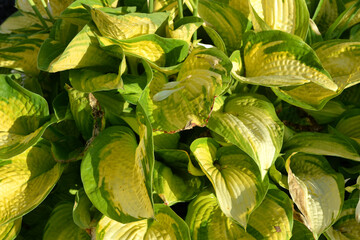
{"x":129,"y":25}
{"x":26,"y":180}
{"x":228,"y":22}
{"x":330,"y":144}
{"x":22,"y":55}
{"x":273,"y":219}
{"x":346,"y":227}
{"x":291,"y":16}
{"x":115,"y":150}
{"x":235,"y":176}
{"x":78,"y":14}
{"x":301,"y":232}
{"x":17,"y":21}
{"x":87,"y":80}
{"x":24,"y":117}
{"x":250,"y":122}
{"x":276,"y":54}
{"x":342,"y":63}
{"x":10,"y":230}
{"x":81,"y":110}
{"x":187,"y":102}
{"x":348,"y":124}
{"x":326,"y":13}
{"x":81,"y":210}
{"x":165,"y":225}
{"x":184,"y":28}
{"x":329,"y":113}
{"x":174,"y":187}
{"x":60,"y":226}
{"x":165,"y":140}
{"x":153,"y":48}
{"x":347,"y":19}
{"x":206,"y":220}
{"x":82,"y":51}
{"x":133,"y":87}
{"x":317,"y":190}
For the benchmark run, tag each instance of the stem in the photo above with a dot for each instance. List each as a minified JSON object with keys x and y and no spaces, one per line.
{"x":38,"y":14}
{"x":180,"y":3}
{"x":277,"y":101}
{"x":195,"y":13}
{"x":151,"y":6}
{"x":47,"y":11}
{"x":254,"y":89}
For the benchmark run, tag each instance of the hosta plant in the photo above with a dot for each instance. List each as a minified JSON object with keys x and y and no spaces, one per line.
{"x":172,"y":119}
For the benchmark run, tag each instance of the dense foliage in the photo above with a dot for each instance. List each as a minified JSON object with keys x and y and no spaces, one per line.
{"x":172,"y":119}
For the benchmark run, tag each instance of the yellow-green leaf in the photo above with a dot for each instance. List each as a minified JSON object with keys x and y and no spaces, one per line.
{"x":153,"y":48}
{"x":24,"y":116}
{"x":171,"y":180}
{"x":346,"y":227}
{"x":81,"y":210}
{"x":187,"y":102}
{"x":165,"y":225}
{"x":60,"y":225}
{"x":228,"y":22}
{"x":349,"y":124}
{"x":317,"y":190}
{"x":206,"y":220}
{"x":250,"y":122}
{"x":291,"y":16}
{"x":276,"y":54}
{"x":22,"y":55}
{"x":345,"y":20}
{"x":129,"y":25}
{"x":26,"y":180}
{"x":273,"y":219}
{"x":235,"y":176}
{"x":122,"y":197}
{"x":81,"y":110}
{"x":184,"y":28}
{"x":340,"y":58}
{"x":330,"y":144}
{"x":17,"y":22}
{"x":82,"y":51}
{"x":10,"y":230}
{"x":326,"y":13}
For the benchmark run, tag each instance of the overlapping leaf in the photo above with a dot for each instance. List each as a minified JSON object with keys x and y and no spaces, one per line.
{"x":129,"y":25}
{"x":187,"y":102}
{"x":331,"y":144}
{"x":60,"y":226}
{"x":82,"y":51}
{"x":271,"y":220}
{"x":342,"y":63}
{"x":346,"y":227}
{"x":153,"y":48}
{"x":235,"y":177}
{"x":22,"y":55}
{"x":250,"y":122}
{"x":10,"y":230}
{"x":280,"y":56}
{"x":291,"y":16}
{"x":26,"y":180}
{"x":172,"y":182}
{"x":228,"y":22}
{"x":126,"y":196}
{"x":165,"y":225}
{"x":24,"y":117}
{"x":317,"y":190}
{"x":326,"y":13}
{"x":206,"y":220}
{"x":349,"y":124}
